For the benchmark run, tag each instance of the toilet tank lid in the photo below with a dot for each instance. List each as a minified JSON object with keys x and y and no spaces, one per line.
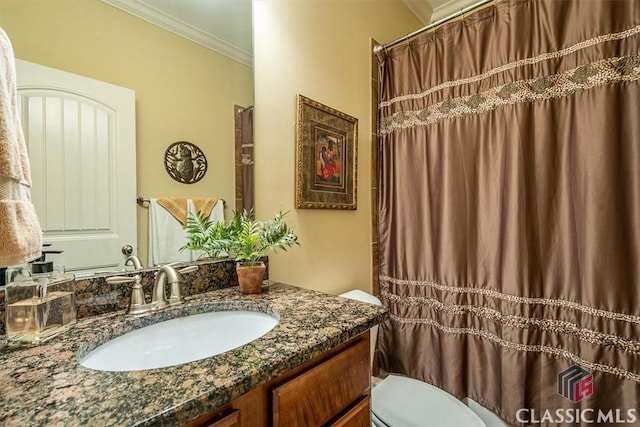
{"x":401,"y":401}
{"x":359,"y":295}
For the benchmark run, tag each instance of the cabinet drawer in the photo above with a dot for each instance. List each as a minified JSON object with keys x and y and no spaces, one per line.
{"x":319,"y":394}
{"x":358,"y":416}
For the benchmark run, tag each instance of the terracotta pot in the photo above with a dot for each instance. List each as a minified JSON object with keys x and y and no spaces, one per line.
{"x":250,"y":278}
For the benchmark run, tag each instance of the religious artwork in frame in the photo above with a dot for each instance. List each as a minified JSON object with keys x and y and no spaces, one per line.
{"x":326,"y":154}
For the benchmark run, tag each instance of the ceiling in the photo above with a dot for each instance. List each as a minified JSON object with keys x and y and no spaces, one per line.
{"x":225,"y":25}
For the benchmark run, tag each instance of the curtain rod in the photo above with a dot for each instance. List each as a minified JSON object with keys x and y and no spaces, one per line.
{"x":461,"y":12}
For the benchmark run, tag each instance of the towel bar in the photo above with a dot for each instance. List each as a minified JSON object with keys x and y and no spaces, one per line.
{"x":142,"y":200}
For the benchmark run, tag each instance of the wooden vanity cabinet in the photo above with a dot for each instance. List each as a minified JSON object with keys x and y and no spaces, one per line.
{"x":231,"y":419}
{"x":329,"y":390}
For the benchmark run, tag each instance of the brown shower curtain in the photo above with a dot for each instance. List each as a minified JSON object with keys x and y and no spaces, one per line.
{"x":510,"y":210}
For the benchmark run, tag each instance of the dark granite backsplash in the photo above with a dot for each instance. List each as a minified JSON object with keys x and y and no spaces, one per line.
{"x":95,"y":296}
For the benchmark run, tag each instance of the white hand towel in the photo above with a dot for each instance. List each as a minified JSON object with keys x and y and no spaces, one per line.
{"x":166,"y":236}
{"x":20,"y":229}
{"x":217,"y":214}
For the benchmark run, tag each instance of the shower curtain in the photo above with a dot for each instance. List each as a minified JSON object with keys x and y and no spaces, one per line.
{"x":509,"y":210}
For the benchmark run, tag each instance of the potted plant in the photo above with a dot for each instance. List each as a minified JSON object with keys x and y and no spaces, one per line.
{"x":243,"y":238}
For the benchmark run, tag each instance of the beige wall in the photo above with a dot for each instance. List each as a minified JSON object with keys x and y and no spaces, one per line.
{"x":319,"y":49}
{"x":183,"y":90}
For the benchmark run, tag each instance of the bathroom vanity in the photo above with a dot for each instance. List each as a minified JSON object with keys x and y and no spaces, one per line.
{"x":311,"y":368}
{"x":332,"y":389}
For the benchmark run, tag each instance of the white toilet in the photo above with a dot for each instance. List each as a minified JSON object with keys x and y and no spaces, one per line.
{"x":400,"y":401}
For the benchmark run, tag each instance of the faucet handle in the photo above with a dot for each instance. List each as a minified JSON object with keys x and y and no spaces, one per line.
{"x":137,"y":302}
{"x":121,"y":279}
{"x":188,"y":269}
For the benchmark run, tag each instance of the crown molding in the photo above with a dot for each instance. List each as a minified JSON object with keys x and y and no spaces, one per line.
{"x":420,"y":8}
{"x":449,"y":8}
{"x":182,"y":29}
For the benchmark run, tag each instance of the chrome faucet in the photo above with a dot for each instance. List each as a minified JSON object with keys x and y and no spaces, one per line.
{"x":135,"y":262}
{"x":166,"y":273}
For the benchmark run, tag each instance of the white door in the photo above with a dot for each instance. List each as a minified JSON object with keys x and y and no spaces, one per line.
{"x":80,"y":135}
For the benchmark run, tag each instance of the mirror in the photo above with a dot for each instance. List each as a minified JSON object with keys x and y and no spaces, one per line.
{"x":184,"y":91}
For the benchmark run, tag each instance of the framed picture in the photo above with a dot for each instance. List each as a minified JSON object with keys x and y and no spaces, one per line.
{"x":326,"y":154}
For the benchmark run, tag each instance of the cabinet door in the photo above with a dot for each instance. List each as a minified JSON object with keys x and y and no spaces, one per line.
{"x":231,"y":420}
{"x":319,"y":394}
{"x":358,"y":416}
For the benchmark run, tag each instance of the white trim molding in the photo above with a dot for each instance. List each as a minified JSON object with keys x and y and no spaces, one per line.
{"x":182,"y":29}
{"x":420,"y":8}
{"x":449,"y":8}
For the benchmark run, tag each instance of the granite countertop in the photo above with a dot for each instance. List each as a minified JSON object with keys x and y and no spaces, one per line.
{"x":45,"y":385}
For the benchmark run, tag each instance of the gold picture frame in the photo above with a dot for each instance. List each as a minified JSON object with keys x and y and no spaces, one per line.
{"x":326,"y":157}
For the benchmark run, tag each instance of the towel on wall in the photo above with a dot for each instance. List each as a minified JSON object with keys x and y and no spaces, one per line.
{"x":21,"y":233}
{"x":166,"y":236}
{"x":176,"y":206}
{"x":179,"y":207}
{"x":166,"y":227}
{"x":205,"y":206}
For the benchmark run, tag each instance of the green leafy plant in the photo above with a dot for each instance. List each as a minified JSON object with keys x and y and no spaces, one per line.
{"x":243,"y":238}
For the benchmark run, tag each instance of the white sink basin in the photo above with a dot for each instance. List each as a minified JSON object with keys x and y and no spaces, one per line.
{"x":178,"y":341}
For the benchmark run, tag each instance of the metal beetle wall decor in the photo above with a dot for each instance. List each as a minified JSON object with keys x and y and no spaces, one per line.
{"x":185,"y":162}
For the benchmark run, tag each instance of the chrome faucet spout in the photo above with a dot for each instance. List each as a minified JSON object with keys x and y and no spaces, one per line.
{"x":135,"y":261}
{"x":158,"y":295}
{"x":172,"y":275}
{"x":169,"y":274}
{"x":166,"y":274}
